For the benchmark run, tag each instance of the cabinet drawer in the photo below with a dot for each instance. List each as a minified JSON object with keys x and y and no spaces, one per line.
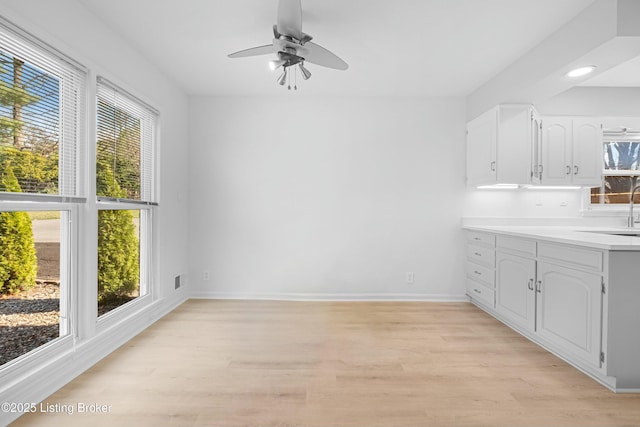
{"x":587,"y":259}
{"x":481,"y":255}
{"x":516,"y":244}
{"x":481,"y":274}
{"x":480,"y":293}
{"x":481,"y":238}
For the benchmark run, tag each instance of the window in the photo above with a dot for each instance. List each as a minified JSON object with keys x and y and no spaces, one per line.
{"x":42,"y":97}
{"x":125,"y":132}
{"x":621,"y":160}
{"x":33,"y":281}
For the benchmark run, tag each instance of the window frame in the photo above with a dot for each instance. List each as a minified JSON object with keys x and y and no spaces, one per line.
{"x":146,"y":257}
{"x":617,"y":209}
{"x":87,"y":333}
{"x":73,"y":80}
{"x":148,"y":221}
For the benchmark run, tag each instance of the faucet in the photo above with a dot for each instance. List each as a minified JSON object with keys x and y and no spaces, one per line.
{"x":631,"y":220}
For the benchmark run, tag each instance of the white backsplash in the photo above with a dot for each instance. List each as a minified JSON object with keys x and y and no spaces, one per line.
{"x":532,"y":207}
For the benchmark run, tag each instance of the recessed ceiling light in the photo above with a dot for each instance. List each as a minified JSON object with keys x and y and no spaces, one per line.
{"x":582,"y":71}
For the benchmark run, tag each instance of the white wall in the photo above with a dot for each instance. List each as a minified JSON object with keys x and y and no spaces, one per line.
{"x":298,"y":197}
{"x":72,"y":29}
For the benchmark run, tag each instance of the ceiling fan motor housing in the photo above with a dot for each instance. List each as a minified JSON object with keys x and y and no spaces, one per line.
{"x":289,"y":55}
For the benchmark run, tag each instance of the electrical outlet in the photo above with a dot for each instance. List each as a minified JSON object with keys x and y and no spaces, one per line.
{"x":205,"y":275}
{"x":410,"y":277}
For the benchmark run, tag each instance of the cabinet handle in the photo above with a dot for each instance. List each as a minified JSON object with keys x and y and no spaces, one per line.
{"x":530,"y":284}
{"x":476,"y":291}
{"x":477,"y":238}
{"x":477,"y":254}
{"x":477,"y":272}
{"x":568,"y":170}
{"x":575,"y":170}
{"x":493,"y":166}
{"x":539,"y":286}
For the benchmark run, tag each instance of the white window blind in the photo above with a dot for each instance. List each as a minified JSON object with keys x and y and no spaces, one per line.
{"x":42,"y":114}
{"x":125,"y":145}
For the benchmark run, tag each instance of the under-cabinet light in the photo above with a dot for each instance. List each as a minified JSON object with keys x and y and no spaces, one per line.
{"x":552,"y":187}
{"x":498,"y":187}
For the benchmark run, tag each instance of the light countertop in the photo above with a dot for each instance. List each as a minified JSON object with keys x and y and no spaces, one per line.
{"x":593,"y":237}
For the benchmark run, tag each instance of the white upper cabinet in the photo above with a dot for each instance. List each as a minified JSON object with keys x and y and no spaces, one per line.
{"x":499,"y":146}
{"x":482,"y":141}
{"x":570,"y":152}
{"x":587,"y":152}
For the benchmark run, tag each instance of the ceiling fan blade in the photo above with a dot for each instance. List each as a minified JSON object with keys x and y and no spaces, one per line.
{"x":254,"y":51}
{"x":289,"y":20}
{"x":318,"y":55}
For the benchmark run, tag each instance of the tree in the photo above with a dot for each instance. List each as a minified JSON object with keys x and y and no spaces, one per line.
{"x":118,"y":245}
{"x":119,"y":146}
{"x":29,"y":124}
{"x":18,"y":262}
{"x":15,"y":96}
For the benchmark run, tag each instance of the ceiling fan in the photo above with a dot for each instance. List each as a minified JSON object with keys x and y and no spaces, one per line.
{"x":292,"y":46}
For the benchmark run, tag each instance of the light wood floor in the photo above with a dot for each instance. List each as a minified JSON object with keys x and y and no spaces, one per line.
{"x":241,"y":363}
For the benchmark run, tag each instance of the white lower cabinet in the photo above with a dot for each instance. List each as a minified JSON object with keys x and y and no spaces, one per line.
{"x":515,"y":300}
{"x":579,"y":302}
{"x":569,"y":310}
{"x":559,"y":303}
{"x":480,"y":268}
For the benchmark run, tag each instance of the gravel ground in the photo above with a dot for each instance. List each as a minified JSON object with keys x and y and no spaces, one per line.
{"x":32,"y":318}
{"x":29,"y":320}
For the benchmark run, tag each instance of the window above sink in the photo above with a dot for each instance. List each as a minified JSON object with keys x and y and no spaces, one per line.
{"x":621,"y":171}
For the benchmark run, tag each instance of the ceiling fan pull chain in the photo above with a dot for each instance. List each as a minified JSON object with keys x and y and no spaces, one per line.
{"x":295,"y":79}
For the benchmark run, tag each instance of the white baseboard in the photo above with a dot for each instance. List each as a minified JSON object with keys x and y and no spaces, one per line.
{"x":627,"y":390}
{"x":328,"y":296}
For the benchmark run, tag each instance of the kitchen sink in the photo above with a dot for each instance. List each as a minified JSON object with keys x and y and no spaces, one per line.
{"x":630,"y":233}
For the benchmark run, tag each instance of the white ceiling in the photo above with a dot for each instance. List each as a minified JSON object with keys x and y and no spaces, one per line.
{"x":626,"y":74}
{"x":393,"y":47}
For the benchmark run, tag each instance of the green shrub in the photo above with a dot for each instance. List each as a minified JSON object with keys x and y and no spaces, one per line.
{"x":36,"y":172}
{"x":118,"y":245}
{"x":18,"y":262}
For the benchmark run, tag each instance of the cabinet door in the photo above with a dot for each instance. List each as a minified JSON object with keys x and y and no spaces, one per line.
{"x":481,"y":149}
{"x":569,"y":310}
{"x":515,"y":294}
{"x":587,"y":152}
{"x":557,"y":163}
{"x":536,"y":148}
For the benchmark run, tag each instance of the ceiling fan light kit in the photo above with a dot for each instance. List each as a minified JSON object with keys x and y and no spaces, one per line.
{"x":283,"y":78}
{"x":305,"y":73}
{"x":292,"y":46}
